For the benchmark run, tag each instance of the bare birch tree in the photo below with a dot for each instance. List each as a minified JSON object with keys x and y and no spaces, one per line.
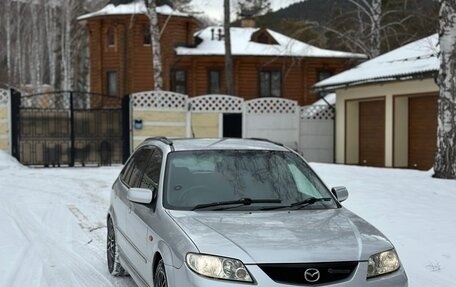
{"x":8,"y":40}
{"x":366,"y":27}
{"x":372,"y":10}
{"x":50,"y":19}
{"x":445,"y":160}
{"x":253,"y":8}
{"x":228,"y":56}
{"x":151,"y":6}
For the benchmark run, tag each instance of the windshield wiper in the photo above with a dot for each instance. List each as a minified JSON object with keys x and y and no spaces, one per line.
{"x":242,"y":201}
{"x":300,"y":204}
{"x":309,"y":201}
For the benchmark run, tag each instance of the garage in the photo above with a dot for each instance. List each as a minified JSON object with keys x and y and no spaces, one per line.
{"x":422,"y":131}
{"x":372,"y":133}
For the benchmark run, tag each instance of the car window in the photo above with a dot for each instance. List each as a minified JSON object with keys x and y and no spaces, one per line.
{"x":303,"y":184}
{"x":151,"y":175}
{"x":126,"y":171}
{"x":140,"y":161}
{"x":207,"y":176}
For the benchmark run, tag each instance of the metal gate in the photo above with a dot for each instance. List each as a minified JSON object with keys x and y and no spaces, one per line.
{"x":70,"y":129}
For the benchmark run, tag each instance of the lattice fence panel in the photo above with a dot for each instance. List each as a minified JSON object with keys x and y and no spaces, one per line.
{"x":4,"y":97}
{"x":271,"y":106}
{"x":160,"y":101}
{"x":318,"y":112}
{"x":217,"y":103}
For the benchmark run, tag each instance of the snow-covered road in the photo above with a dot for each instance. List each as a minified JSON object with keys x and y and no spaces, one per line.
{"x":52,"y":222}
{"x":52,"y":226}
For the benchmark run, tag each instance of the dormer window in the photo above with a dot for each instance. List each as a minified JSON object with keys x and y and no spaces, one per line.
{"x":146,"y":35}
{"x":111,"y":37}
{"x":262,"y":36}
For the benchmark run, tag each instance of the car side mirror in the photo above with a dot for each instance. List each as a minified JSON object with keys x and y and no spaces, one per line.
{"x":340,"y":192}
{"x":141,"y":195}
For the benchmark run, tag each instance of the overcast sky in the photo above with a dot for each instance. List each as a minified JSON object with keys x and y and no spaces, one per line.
{"x":214,"y":8}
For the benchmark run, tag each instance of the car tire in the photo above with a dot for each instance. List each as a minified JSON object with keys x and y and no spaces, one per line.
{"x":112,"y":252}
{"x":160,"y":279}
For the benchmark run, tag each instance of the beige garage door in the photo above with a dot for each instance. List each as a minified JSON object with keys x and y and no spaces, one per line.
{"x":372,"y":133}
{"x":422,"y":131}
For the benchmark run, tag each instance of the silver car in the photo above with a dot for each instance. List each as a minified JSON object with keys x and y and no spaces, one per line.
{"x":238,"y":212}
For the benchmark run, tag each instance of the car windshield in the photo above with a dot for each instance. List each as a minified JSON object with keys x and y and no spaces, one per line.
{"x":242,"y":180}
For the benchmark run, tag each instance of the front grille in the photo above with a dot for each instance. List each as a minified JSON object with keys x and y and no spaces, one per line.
{"x":296,"y":273}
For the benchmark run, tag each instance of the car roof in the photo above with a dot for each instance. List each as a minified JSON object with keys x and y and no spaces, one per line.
{"x":219,"y":144}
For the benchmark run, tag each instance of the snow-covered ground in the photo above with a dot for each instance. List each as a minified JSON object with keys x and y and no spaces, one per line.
{"x":52,"y":222}
{"x":52,"y":226}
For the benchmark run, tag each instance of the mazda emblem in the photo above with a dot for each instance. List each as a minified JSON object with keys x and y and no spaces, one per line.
{"x":312,"y":275}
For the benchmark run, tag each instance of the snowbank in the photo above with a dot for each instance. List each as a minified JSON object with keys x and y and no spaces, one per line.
{"x":416,"y":212}
{"x":7,"y":161}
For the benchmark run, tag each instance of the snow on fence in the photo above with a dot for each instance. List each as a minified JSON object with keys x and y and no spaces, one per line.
{"x":309,"y":130}
{"x":4,"y":120}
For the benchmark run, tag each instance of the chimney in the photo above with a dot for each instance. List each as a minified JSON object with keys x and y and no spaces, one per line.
{"x":248,"y":22}
{"x":220,"y":35}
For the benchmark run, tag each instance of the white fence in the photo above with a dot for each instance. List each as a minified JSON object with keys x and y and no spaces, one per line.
{"x":309,"y":129}
{"x":316,"y":135}
{"x":4,"y":97}
{"x":5,"y":123}
{"x":273,"y":118}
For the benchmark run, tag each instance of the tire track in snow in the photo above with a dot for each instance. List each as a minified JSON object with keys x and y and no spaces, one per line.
{"x":50,"y":258}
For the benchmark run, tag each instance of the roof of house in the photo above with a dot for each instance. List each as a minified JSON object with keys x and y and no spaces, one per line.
{"x":135,"y":7}
{"x":329,"y":99}
{"x":243,"y":44}
{"x":416,"y":58}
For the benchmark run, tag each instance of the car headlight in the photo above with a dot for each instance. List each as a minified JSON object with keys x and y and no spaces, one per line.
{"x":218,"y":267}
{"x":383,"y":263}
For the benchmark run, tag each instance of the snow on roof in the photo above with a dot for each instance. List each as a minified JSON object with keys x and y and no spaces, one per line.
{"x":242,"y":45}
{"x":328,"y":99}
{"x":136,"y":7}
{"x":414,"y":58}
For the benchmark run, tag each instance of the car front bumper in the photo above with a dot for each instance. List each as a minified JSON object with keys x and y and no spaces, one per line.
{"x":185,"y":277}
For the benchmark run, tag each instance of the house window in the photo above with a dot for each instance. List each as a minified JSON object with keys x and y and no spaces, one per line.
{"x":112,"y":83}
{"x":214,"y":82}
{"x":111,"y":37}
{"x":146,"y":35}
{"x":322,"y":75}
{"x":270,"y":84}
{"x":179,"y":81}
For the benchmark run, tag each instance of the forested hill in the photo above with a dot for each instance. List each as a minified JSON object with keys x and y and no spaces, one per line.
{"x":324,"y":22}
{"x":321,"y":10}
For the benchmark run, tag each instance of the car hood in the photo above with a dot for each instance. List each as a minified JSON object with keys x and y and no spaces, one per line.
{"x":283,"y":236}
